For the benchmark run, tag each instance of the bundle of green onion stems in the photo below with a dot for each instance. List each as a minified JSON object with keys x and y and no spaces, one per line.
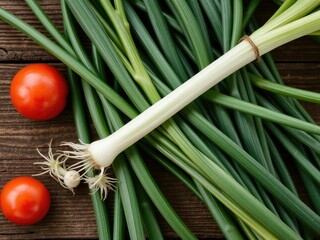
{"x":227,"y":145}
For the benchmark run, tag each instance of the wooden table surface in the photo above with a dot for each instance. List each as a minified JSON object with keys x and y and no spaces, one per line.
{"x":71,"y":217}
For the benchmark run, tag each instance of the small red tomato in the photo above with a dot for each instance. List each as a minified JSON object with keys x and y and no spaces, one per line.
{"x":39,"y":92}
{"x":24,"y":200}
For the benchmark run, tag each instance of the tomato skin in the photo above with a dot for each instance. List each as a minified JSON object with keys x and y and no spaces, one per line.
{"x":24,"y":200}
{"x":39,"y":92}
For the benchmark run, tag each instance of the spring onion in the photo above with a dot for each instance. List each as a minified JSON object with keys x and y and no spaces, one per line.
{"x":69,"y":179}
{"x":300,"y":94}
{"x":101,"y":153}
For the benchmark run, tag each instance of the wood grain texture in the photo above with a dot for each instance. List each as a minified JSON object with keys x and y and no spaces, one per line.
{"x":13,"y":44}
{"x":71,"y":217}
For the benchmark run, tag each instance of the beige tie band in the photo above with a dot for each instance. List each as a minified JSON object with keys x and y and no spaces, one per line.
{"x":254,"y":47}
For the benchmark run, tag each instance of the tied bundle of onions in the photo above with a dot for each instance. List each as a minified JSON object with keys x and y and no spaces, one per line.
{"x":112,"y":40}
{"x":278,"y":31}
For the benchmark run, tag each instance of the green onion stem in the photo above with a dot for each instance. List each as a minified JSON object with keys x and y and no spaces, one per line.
{"x":214,"y":16}
{"x":118,"y":217}
{"x":286,"y":33}
{"x":297,"y":10}
{"x":47,"y":23}
{"x":237,"y":22}
{"x":140,"y":75}
{"x":150,"y":221}
{"x":284,"y":6}
{"x":249,"y":11}
{"x":282,"y":169}
{"x":244,"y":83}
{"x":190,"y":26}
{"x":200,"y":19}
{"x":312,"y":189}
{"x":296,"y":154}
{"x":300,"y":94}
{"x":258,"y":111}
{"x":164,"y":36}
{"x":227,"y":15}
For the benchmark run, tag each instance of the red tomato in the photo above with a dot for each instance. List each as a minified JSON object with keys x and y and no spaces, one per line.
{"x":24,"y":200}
{"x":39,"y":92}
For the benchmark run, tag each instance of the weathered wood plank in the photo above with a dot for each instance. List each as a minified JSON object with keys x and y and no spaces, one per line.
{"x":14,"y":46}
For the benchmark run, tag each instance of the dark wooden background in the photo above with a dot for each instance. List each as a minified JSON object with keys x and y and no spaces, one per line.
{"x":71,"y":217}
